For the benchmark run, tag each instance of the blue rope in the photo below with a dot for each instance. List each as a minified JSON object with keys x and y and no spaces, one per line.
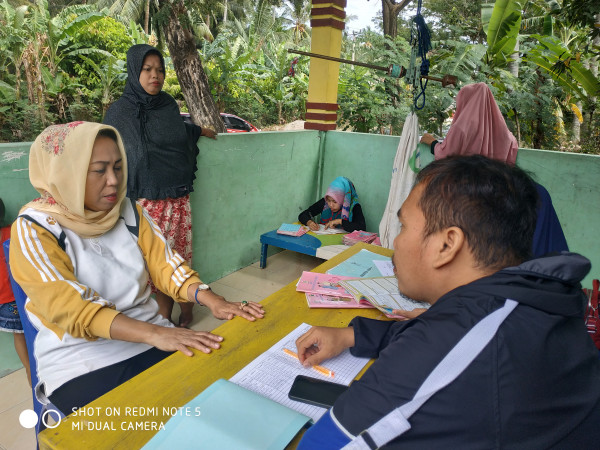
{"x":423,"y":41}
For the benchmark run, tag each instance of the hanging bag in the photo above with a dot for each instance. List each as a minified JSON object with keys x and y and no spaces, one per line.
{"x":592,"y":320}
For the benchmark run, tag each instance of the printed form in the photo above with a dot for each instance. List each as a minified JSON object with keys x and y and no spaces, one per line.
{"x":272,"y":373}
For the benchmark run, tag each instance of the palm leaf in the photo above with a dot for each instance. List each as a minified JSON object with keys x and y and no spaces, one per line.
{"x":503,"y":30}
{"x":562,"y":79}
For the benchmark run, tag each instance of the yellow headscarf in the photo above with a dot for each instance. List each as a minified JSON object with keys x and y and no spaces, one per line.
{"x":58,"y":166}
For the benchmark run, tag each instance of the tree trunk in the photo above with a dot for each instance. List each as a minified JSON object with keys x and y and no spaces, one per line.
{"x":587,"y":113}
{"x":594,"y":67}
{"x":576,"y":125}
{"x":191,"y":75}
{"x":390,"y":10}
{"x":513,"y":66}
{"x":518,"y":125}
{"x":147,"y":16}
{"x":538,"y":132}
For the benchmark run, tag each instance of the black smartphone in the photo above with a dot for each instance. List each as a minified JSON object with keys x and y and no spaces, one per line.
{"x":315,"y":391}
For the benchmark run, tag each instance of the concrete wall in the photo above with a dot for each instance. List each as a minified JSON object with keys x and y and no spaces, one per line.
{"x":573,"y":183}
{"x":248,"y":184}
{"x":365,"y":161}
{"x":15,"y":189}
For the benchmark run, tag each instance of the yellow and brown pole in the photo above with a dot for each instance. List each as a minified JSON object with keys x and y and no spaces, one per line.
{"x":327,"y":22}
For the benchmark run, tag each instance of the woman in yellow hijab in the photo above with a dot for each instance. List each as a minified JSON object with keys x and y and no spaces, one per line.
{"x":83,"y":254}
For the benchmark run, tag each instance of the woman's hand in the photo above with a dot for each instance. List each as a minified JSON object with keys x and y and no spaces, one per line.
{"x":228,"y":310}
{"x":312,"y":225}
{"x":333,"y":223}
{"x":208,"y":132}
{"x":321,"y":343}
{"x":169,"y":339}
{"x":222,"y":309}
{"x":427,"y":139}
{"x":182,"y":339}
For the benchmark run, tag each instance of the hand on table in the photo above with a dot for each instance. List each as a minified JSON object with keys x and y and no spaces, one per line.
{"x":333,"y":223}
{"x":409,"y":314}
{"x":169,"y":339}
{"x":228,"y":310}
{"x":208,"y":132}
{"x":182,"y":339}
{"x":321,"y":343}
{"x":222,"y":309}
{"x":312,"y":225}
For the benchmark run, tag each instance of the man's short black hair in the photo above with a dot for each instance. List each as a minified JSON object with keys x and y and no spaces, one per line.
{"x":494,"y":204}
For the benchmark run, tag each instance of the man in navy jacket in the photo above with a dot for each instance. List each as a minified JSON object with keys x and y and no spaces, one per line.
{"x":465,"y":248}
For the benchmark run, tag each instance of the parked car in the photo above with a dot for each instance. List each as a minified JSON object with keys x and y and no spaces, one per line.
{"x":234,"y":124}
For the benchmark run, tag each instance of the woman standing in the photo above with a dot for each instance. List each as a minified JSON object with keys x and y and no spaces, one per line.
{"x":161,"y":155}
{"x":478,"y":128}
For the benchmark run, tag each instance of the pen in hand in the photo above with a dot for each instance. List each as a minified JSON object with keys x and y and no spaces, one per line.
{"x":313,"y":221}
{"x":323,"y":370}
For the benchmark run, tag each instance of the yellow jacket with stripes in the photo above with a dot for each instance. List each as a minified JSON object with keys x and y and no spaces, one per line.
{"x":76,"y":286}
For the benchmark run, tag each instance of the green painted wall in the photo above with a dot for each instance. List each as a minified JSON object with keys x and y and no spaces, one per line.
{"x":15,"y":189}
{"x":571,"y":179}
{"x":246,"y":185}
{"x":367,"y":162}
{"x":249,"y":184}
{"x":573,"y":182}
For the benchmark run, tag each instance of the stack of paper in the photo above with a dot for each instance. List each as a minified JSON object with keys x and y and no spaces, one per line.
{"x":323,"y":283}
{"x":359,"y":236}
{"x":327,"y":301}
{"x":382,"y":293}
{"x":292,"y":229}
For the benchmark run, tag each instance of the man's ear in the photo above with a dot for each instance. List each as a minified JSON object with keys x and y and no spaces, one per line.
{"x":449,"y":242}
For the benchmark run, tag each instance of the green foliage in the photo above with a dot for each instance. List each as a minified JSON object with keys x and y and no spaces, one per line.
{"x":445,"y":18}
{"x":70,"y":65}
{"x":557,"y":60}
{"x":502,"y":31}
{"x":369,"y":100}
{"x":101,"y":72}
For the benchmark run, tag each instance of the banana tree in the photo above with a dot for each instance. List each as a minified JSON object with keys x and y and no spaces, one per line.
{"x":110,"y":74}
{"x":501,"y":23}
{"x":565,"y":67}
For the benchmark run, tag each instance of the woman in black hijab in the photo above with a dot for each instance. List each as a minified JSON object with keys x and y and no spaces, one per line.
{"x":161,"y":155}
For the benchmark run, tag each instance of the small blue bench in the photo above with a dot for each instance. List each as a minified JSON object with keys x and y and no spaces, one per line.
{"x":307,"y":243}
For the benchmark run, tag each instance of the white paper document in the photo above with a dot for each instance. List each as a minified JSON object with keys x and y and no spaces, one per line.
{"x":385,"y":267}
{"x":382,"y":293}
{"x":322,"y":230}
{"x":272,"y":373}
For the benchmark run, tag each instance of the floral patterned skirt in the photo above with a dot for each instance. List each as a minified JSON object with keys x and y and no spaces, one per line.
{"x":174,"y":217}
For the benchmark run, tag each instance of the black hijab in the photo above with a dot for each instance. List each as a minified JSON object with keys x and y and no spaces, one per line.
{"x":161,"y":150}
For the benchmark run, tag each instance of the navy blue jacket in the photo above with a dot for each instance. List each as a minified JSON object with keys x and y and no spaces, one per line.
{"x":535,"y":386}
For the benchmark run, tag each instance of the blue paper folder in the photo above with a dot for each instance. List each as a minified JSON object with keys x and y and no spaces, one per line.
{"x":231,"y":417}
{"x":359,"y":265}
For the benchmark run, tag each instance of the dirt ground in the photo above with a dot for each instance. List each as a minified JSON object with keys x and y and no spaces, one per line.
{"x":295,"y":125}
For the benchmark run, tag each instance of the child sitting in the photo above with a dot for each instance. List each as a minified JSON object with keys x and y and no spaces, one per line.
{"x":339,"y":208}
{"x":10,"y":321}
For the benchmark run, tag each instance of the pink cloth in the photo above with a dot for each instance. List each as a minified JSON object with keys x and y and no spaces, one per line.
{"x":478,"y":128}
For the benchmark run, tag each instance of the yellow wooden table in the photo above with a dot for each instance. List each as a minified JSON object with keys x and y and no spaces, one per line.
{"x":128,"y":416}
